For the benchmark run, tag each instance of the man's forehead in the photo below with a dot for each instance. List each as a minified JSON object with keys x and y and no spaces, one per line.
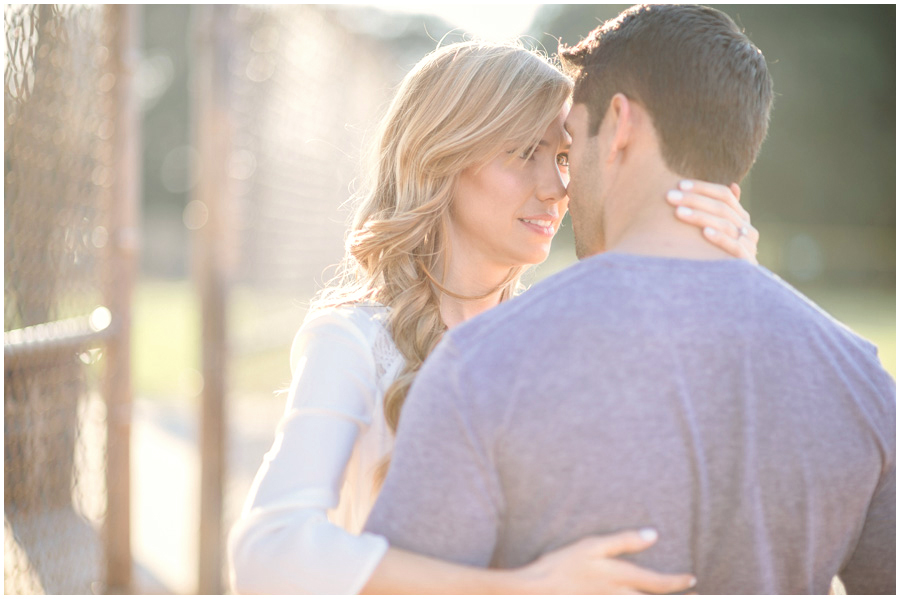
{"x":576,"y":119}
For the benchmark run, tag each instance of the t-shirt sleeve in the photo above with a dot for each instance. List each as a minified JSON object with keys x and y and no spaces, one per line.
{"x":872,"y":568}
{"x":441,"y":497}
{"x":282,"y":542}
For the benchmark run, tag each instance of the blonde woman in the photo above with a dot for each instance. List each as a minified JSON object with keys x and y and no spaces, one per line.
{"x":467,"y":189}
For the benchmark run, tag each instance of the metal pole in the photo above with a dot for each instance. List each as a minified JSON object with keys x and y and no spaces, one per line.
{"x":124,"y":210}
{"x":212,"y":138}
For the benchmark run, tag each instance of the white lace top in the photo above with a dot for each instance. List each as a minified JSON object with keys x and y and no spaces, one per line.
{"x":299,"y":530}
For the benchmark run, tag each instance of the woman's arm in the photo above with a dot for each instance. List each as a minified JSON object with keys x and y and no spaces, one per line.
{"x":716,"y":209}
{"x":585,"y":567}
{"x":283,"y":542}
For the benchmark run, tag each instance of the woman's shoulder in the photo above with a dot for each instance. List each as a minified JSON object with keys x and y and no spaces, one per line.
{"x":359,"y":323}
{"x":365,"y":316}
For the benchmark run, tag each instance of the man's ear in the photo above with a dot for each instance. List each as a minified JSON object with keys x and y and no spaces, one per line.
{"x":620,"y":125}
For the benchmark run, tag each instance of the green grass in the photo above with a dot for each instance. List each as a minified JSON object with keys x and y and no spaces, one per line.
{"x":262,"y":326}
{"x":165,"y":338}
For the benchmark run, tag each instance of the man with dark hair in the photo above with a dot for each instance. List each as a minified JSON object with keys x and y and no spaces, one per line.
{"x":694,"y":71}
{"x":658,"y":384}
{"x":688,"y":69}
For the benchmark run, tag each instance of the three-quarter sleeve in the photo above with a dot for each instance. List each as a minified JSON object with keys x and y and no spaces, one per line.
{"x":283,"y":542}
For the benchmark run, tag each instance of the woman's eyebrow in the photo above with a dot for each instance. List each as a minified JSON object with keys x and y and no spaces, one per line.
{"x":567,"y":142}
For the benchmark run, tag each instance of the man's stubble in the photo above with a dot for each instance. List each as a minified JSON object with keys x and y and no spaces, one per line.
{"x":586,"y":205}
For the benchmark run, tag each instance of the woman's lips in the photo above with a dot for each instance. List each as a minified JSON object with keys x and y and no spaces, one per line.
{"x":541,"y":226}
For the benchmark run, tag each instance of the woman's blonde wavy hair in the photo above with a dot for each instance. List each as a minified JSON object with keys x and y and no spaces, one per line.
{"x":459,"y":107}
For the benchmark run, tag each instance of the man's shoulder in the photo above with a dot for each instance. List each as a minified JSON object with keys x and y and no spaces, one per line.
{"x":600,"y":291}
{"x":503,"y":325}
{"x":798,"y":309}
{"x":529,"y":307}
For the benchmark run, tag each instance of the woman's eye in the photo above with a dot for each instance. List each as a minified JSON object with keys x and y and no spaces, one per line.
{"x":562,"y":159}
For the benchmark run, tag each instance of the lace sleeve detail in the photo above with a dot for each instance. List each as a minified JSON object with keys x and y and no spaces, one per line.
{"x":388,"y":359}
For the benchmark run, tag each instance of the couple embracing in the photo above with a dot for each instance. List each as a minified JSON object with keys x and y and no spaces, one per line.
{"x":664,"y":416}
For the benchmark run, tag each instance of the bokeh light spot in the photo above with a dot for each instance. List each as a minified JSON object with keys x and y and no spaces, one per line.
{"x":100,"y":318}
{"x":196,"y":214}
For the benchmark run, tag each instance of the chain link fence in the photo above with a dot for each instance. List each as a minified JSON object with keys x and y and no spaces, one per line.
{"x":59,"y":124}
{"x":304,"y":85}
{"x":304,"y":88}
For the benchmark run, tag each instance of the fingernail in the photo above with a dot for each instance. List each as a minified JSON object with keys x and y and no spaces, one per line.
{"x":685,"y":185}
{"x":684,"y":211}
{"x":674,"y":196}
{"x":692,"y":582}
{"x":710,"y":231}
{"x":648,"y":534}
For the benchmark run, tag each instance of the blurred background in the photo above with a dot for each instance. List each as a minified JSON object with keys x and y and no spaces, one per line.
{"x":176,"y":183}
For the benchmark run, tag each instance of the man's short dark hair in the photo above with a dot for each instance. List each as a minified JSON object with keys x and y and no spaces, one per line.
{"x":704,"y":83}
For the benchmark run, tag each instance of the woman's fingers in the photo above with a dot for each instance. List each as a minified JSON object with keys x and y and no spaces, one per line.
{"x":722,"y":233}
{"x":617,"y":576}
{"x":703,"y":220}
{"x":709,"y":205}
{"x":720,"y":224}
{"x":722,"y":193}
{"x":733,"y":246}
{"x":716,"y":210}
{"x":630,"y":541}
{"x":642,"y":580}
{"x":739,"y":248}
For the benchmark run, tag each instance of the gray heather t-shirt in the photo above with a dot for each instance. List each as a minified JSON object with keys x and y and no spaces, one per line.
{"x":707,"y":399}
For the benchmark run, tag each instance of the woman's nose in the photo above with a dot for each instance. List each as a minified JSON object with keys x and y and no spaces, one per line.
{"x":552,"y":186}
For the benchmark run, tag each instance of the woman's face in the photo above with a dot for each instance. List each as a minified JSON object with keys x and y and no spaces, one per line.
{"x":507,"y":211}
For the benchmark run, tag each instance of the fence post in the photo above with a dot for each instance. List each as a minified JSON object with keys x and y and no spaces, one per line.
{"x":212,"y":138}
{"x":124,"y":22}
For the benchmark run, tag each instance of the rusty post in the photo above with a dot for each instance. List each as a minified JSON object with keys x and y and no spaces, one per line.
{"x":125,"y":205}
{"x":212,"y":139}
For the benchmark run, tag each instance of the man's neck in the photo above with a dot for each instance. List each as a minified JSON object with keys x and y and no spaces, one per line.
{"x":640,"y":221}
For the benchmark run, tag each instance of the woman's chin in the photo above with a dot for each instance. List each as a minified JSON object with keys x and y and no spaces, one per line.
{"x":535,"y":257}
